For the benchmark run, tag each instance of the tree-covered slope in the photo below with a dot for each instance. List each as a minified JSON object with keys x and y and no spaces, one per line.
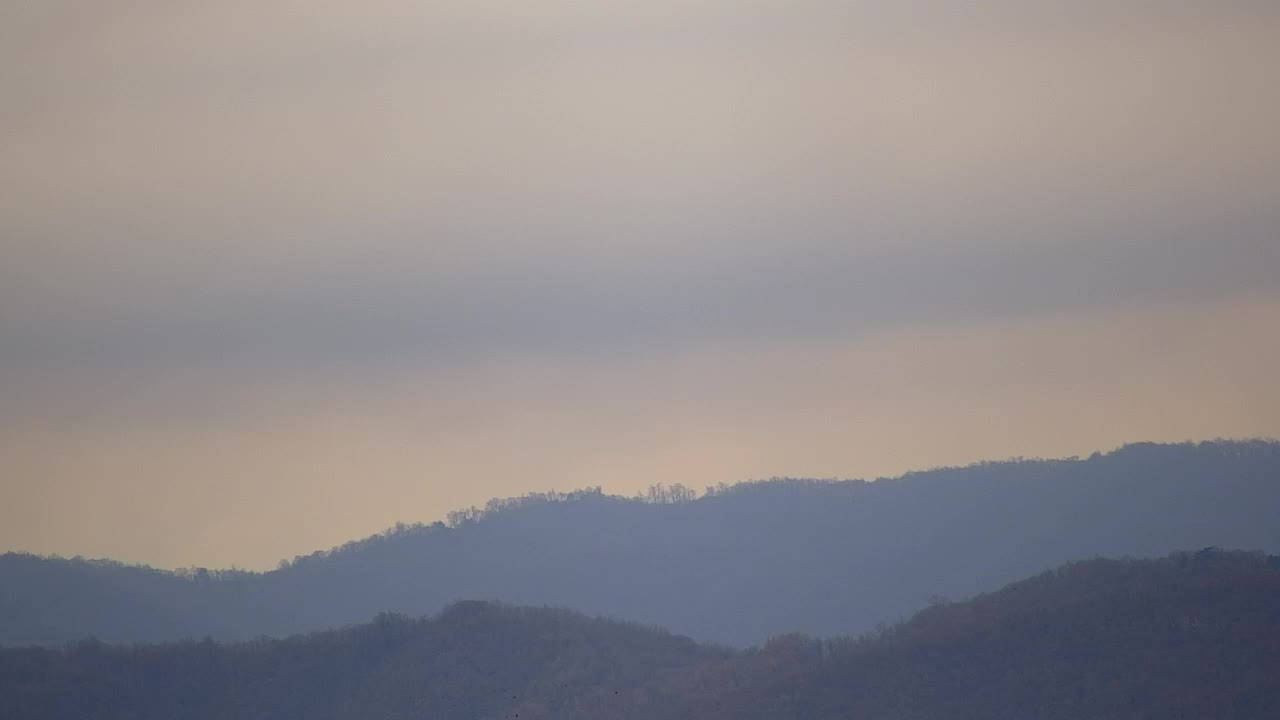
{"x":736,"y":565}
{"x":1193,"y":635}
{"x":475,"y":660}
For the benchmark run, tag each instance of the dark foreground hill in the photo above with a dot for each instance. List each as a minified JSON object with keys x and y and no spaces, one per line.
{"x":734,"y":566}
{"x":1193,"y":635}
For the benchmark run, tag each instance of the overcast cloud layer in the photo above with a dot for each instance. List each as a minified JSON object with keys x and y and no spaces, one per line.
{"x":307,"y":268}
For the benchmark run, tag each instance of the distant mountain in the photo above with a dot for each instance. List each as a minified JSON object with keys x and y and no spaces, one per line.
{"x":1193,"y":635}
{"x":734,"y":566}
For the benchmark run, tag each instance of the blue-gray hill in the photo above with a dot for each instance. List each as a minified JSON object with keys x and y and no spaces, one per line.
{"x":735,"y":566}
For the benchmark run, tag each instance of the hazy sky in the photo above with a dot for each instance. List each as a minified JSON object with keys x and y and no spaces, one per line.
{"x":275,"y":275}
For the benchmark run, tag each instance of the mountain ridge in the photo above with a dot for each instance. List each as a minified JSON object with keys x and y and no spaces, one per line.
{"x":1193,"y":634}
{"x":734,"y":566}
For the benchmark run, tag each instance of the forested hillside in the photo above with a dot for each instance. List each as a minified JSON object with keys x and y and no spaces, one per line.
{"x":1193,"y":635}
{"x":735,"y":565}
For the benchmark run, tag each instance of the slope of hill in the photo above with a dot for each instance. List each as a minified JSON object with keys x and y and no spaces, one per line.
{"x":734,"y":566}
{"x":1193,"y":635}
{"x":474,"y":660}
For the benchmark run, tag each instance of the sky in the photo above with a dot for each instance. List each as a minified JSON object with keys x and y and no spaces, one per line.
{"x":275,"y":275}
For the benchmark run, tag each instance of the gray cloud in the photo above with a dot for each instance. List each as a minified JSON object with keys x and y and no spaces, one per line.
{"x":215,"y":217}
{"x":268,"y":188}
{"x":363,"y":319}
